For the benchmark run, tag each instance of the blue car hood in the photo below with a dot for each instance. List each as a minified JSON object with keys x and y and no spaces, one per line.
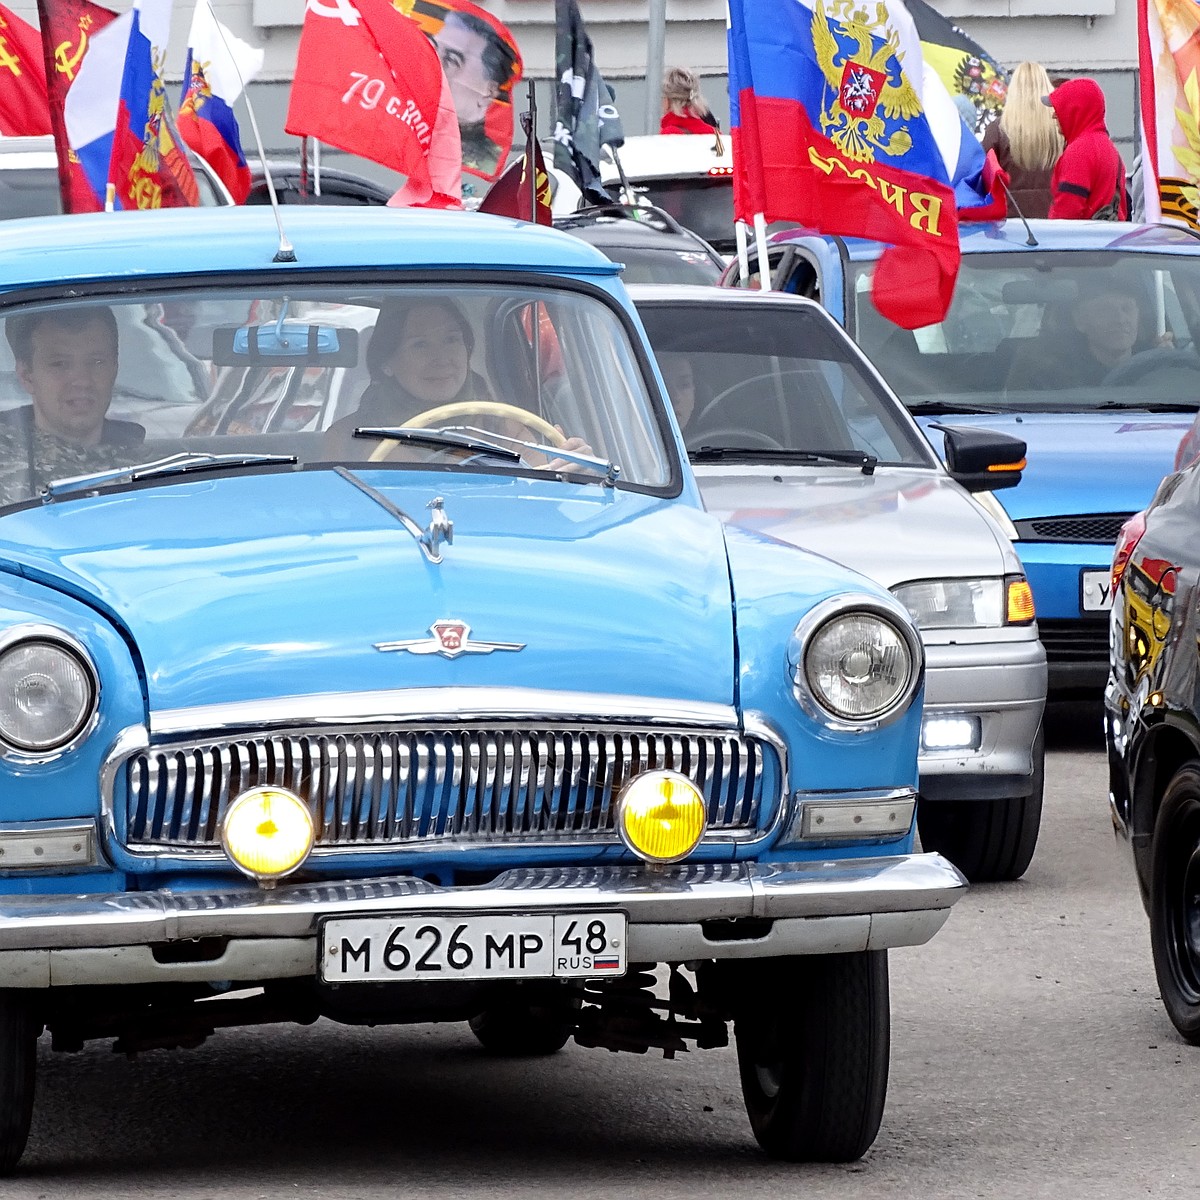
{"x":1108,"y":462}
{"x":256,"y":586}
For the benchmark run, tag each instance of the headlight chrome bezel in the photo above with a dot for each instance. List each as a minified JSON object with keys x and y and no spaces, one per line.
{"x":71,"y":646}
{"x":821,"y":615}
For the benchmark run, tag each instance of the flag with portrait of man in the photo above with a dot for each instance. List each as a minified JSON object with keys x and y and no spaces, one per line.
{"x":482,"y":65}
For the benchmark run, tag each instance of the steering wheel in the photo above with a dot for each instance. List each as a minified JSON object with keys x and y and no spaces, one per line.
{"x":474,"y":408}
{"x":1146,"y":362}
{"x":733,"y":389}
{"x":730,"y":438}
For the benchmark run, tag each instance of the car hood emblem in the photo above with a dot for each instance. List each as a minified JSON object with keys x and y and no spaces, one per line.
{"x":449,"y":638}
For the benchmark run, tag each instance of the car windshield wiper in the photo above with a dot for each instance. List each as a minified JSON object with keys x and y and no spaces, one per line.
{"x":440,"y":438}
{"x":1154,"y":406}
{"x":853,"y":458}
{"x":923,"y":408}
{"x":175,"y":464}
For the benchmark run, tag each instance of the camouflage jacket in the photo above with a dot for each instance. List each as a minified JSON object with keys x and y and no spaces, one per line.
{"x":30,"y":459}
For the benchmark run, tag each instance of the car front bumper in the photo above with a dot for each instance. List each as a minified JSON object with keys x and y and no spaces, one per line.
{"x":1002,"y":686}
{"x":676,"y":914}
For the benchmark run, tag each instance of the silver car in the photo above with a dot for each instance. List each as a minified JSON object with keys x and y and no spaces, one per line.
{"x":793,"y":433}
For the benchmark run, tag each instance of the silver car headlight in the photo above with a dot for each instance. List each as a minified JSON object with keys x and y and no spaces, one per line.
{"x":855,"y":664}
{"x":954,"y":603}
{"x":48,"y":693}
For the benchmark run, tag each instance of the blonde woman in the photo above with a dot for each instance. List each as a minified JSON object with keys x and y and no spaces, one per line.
{"x":684,"y":109}
{"x":1027,"y":140}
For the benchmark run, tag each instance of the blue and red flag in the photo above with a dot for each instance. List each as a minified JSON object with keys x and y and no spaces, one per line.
{"x":219,"y":65}
{"x":116,"y":114}
{"x":831,"y":129}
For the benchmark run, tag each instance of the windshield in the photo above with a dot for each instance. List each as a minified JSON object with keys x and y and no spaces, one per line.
{"x":1048,"y":331}
{"x":101,"y":385}
{"x":703,"y":205}
{"x":777,"y":379}
{"x":664,"y":265}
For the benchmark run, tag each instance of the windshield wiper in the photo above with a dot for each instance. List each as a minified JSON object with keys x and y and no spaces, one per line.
{"x":1154,"y":406}
{"x":175,"y":464}
{"x":923,"y":408}
{"x":854,"y":458}
{"x":440,"y":438}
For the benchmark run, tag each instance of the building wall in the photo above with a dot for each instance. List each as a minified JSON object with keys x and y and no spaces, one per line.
{"x":1094,"y":37}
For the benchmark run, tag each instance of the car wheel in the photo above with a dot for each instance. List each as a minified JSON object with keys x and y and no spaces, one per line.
{"x":813,"y":1041}
{"x":522,"y":1030}
{"x":1175,"y":901}
{"x":987,"y":840}
{"x":18,"y":1059}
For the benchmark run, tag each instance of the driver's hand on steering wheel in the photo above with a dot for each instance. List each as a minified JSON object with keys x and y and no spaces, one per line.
{"x":575,"y":444}
{"x":1165,"y":340}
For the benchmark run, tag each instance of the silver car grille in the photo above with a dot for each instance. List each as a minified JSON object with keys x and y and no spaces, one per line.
{"x":404,"y":787}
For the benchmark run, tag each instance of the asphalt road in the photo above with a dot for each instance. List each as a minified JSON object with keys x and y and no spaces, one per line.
{"x":1030,"y":1058}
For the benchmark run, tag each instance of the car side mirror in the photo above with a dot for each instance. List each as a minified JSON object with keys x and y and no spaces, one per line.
{"x":983,"y":460}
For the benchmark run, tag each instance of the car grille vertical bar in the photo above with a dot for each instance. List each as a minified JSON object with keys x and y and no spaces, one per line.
{"x":466,"y":785}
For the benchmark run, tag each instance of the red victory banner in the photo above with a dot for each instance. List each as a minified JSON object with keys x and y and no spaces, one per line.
{"x":369,"y":82}
{"x":23,"y":105}
{"x":482,"y":65}
{"x":67,"y":29}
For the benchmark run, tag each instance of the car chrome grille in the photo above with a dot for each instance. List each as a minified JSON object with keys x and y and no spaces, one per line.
{"x":404,"y":787}
{"x":1090,"y":527}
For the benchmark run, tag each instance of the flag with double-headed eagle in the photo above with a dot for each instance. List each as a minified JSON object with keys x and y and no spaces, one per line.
{"x":1169,"y":77}
{"x":68,"y":27}
{"x":219,"y":65}
{"x":117,"y":118}
{"x":838,"y":124}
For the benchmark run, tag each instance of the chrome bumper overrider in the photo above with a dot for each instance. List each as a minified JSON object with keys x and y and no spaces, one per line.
{"x":797,"y":908}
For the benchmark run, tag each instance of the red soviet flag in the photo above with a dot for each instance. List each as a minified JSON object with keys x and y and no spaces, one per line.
{"x":23,"y":106}
{"x":67,"y":29}
{"x":369,"y":82}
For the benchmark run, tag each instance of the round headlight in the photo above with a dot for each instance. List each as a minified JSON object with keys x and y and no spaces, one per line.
{"x":47,"y":695}
{"x":859,"y":667}
{"x":661,"y":816}
{"x":268,"y":832}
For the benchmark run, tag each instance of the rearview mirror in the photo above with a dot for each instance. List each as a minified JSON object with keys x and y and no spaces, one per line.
{"x":285,"y":344}
{"x":983,"y":460}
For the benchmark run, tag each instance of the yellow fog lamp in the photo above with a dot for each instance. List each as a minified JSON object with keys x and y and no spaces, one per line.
{"x":661,"y":816}
{"x":267,"y":832}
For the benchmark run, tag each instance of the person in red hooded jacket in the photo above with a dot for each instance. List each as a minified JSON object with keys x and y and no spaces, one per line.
{"x":1089,"y":177}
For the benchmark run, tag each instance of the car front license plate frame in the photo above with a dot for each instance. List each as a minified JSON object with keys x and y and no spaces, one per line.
{"x":1095,"y":590}
{"x":448,"y":946}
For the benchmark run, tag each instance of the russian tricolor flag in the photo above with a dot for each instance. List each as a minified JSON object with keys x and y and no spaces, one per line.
{"x":116,"y":114}
{"x":219,"y":65}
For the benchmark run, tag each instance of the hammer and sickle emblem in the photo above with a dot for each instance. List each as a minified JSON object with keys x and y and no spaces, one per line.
{"x":67,"y":63}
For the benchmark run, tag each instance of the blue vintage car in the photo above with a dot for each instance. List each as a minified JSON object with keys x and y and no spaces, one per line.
{"x":456,"y":705}
{"x":1078,"y":337}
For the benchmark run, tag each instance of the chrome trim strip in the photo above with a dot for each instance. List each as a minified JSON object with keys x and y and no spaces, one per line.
{"x":35,"y":632}
{"x":508,"y":707}
{"x":684,"y":895}
{"x":821,"y":614}
{"x":23,"y":846}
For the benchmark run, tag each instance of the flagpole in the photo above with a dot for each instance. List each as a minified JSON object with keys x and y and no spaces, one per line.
{"x":743,"y":252}
{"x":764,"y":259}
{"x":531,"y":139}
{"x":531,"y":169}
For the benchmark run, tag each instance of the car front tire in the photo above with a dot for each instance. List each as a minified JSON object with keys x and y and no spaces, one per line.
{"x":987,"y":840}
{"x":1175,"y":901}
{"x":18,"y":1060}
{"x":813,"y":1043}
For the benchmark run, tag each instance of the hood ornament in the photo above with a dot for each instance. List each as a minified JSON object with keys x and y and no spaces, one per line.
{"x":439,"y":530}
{"x":450,"y":639}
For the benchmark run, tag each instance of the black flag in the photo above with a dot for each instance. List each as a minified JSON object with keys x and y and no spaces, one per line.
{"x":587,"y":117}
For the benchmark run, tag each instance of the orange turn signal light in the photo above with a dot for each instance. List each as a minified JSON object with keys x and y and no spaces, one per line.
{"x":1019,"y":607}
{"x":1013,"y":466}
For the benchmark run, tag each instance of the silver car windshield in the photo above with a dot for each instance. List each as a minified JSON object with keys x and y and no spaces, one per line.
{"x":104,"y":386}
{"x":1048,"y":331}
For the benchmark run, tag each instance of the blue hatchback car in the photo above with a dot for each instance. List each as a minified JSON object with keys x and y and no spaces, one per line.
{"x":435,"y":696}
{"x":1080,"y":338}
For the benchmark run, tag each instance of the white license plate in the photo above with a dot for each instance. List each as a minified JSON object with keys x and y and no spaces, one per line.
{"x":428,"y":946}
{"x":1096,"y":590}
